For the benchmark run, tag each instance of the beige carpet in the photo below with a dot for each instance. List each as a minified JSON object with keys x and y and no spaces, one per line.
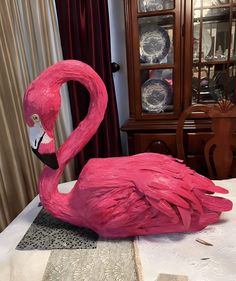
{"x":112,"y":260}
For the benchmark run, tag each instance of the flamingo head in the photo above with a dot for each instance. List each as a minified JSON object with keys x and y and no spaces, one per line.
{"x":41,"y":106}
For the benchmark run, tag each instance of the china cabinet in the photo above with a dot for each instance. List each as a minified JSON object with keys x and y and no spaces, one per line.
{"x":179,"y":53}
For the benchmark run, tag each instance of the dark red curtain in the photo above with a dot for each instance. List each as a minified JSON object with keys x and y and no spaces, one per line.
{"x":84,"y":31}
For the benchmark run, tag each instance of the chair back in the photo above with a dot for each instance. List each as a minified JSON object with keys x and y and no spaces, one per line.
{"x":218,"y":151}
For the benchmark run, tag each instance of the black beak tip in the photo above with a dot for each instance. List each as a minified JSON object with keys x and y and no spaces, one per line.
{"x":49,"y":159}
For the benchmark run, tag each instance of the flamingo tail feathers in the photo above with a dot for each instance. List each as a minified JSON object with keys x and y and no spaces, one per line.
{"x":214,"y":203}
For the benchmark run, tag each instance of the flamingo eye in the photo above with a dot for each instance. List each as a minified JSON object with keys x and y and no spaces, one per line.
{"x":35,"y":118}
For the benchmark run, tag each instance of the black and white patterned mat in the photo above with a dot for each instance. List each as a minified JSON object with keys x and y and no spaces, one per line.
{"x":47,"y":233}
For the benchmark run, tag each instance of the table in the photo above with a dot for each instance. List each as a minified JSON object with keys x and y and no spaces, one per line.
{"x":174,"y":254}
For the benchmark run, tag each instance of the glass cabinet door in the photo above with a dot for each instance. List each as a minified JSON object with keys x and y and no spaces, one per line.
{"x":156,"y":48}
{"x":156,"y":28}
{"x":214,"y":51}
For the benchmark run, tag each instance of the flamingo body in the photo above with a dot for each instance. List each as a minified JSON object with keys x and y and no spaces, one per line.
{"x":143,"y":194}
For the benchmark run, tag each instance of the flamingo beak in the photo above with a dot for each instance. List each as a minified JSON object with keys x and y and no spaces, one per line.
{"x":43,"y":145}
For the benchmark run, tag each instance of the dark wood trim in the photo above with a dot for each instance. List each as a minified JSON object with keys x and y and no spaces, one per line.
{"x":188,"y":55}
{"x":190,"y":124}
{"x":130,"y":55}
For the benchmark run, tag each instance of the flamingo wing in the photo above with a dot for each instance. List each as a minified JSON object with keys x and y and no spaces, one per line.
{"x":146,"y":192}
{"x":180,"y":190}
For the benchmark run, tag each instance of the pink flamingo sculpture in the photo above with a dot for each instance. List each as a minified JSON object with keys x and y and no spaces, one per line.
{"x":143,"y":194}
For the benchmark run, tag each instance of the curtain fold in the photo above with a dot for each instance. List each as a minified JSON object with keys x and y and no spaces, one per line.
{"x":29,"y":43}
{"x":84,"y":31}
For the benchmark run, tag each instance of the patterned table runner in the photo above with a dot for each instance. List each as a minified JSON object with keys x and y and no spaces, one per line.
{"x":47,"y":233}
{"x":112,"y":260}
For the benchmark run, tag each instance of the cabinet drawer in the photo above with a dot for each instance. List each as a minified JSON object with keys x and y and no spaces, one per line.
{"x":159,"y":143}
{"x":195,"y":142}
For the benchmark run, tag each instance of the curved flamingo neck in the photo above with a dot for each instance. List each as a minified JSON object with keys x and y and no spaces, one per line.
{"x":65,"y":71}
{"x":56,"y":76}
{"x":88,"y":127}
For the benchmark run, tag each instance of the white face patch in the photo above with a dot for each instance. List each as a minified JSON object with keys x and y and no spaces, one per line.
{"x":46,"y":139}
{"x":37,"y":135}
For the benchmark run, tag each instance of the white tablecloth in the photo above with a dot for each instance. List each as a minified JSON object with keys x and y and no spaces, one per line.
{"x":181,"y":254}
{"x":177,"y":253}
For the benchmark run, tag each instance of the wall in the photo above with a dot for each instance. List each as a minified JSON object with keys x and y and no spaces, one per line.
{"x":118,"y":54}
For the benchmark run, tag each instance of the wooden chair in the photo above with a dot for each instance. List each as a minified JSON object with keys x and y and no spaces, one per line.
{"x":218,"y":151}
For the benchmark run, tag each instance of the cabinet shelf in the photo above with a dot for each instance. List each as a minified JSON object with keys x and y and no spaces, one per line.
{"x":155,"y":13}
{"x":211,"y":63}
{"x":212,"y":7}
{"x":213,"y":19}
{"x":155,"y":66}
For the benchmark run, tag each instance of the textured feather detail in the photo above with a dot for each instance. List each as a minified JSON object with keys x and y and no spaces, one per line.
{"x":185,"y":216}
{"x":214,"y":203}
{"x":170,"y":197}
{"x":164,"y":207}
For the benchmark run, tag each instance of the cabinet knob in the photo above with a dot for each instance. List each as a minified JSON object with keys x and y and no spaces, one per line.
{"x":115,"y":67}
